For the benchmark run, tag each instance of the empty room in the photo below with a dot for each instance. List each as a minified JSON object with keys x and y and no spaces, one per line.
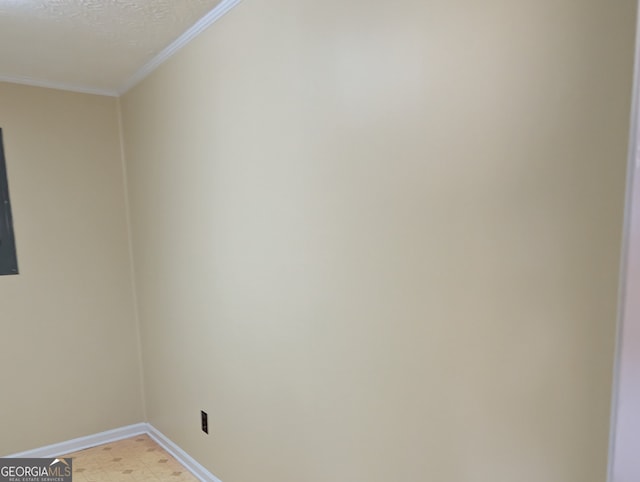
{"x":302,"y":241}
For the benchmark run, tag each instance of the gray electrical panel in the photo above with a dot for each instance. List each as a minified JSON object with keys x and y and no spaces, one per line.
{"x":8,"y":257}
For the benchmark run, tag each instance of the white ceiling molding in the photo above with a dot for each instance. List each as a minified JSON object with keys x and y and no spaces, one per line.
{"x":57,"y":85}
{"x":95,"y":46}
{"x":200,"y":26}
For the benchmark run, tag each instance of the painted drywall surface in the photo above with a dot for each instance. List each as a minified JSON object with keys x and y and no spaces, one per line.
{"x":627,"y":434}
{"x":68,"y":353}
{"x":379,"y":240}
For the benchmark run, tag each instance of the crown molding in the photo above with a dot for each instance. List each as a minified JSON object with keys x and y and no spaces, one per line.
{"x":218,"y":11}
{"x":57,"y":85}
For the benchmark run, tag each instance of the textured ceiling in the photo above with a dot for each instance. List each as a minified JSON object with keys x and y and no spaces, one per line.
{"x":90,"y":45}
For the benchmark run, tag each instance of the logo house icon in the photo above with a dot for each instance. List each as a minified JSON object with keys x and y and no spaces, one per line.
{"x":60,"y":468}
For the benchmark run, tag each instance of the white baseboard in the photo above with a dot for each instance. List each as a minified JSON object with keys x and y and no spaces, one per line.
{"x":181,"y":456}
{"x":82,"y":443}
{"x":114,"y":435}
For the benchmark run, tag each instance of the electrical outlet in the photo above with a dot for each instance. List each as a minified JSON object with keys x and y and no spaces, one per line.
{"x":204,"y":420}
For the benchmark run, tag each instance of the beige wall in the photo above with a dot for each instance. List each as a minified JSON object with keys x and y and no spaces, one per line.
{"x":379,"y":240}
{"x":68,"y":348}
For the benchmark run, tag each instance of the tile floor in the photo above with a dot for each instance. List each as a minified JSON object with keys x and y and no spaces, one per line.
{"x":136,"y":459}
